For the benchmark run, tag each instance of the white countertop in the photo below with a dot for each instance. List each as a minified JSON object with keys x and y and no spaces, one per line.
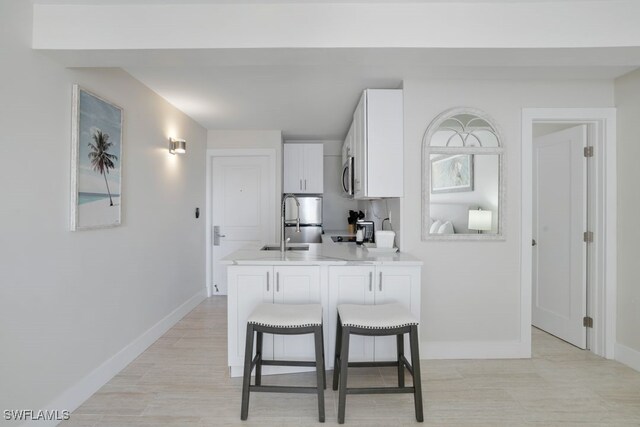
{"x":325,"y":253}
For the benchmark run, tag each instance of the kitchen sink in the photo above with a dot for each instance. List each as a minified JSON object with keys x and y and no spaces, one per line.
{"x":289,"y":248}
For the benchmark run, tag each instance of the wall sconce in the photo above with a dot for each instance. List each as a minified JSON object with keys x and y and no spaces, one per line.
{"x":479,"y":220}
{"x":177,"y":146}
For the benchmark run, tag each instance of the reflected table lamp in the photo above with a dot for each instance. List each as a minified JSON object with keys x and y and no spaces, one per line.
{"x":479,"y":220}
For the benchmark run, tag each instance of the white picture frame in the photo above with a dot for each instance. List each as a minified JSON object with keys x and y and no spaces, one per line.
{"x":96,"y":161}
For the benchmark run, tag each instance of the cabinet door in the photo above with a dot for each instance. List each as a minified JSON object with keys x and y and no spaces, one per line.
{"x":248,"y":287}
{"x":292,"y":179}
{"x":296,"y":285}
{"x":360,"y":148}
{"x":385,"y":154}
{"x":313,"y":169}
{"x":396,"y":284}
{"x":350,"y":285}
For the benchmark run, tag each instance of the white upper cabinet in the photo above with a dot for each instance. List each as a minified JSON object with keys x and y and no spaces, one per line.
{"x":303,"y":168}
{"x":378,"y":141}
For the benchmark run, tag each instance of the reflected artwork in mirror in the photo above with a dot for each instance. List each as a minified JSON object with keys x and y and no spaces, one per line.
{"x":462,"y":178}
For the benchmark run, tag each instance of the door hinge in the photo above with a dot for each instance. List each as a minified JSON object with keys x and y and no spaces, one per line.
{"x":588,"y":151}
{"x":588,"y":237}
{"x":587,"y":322}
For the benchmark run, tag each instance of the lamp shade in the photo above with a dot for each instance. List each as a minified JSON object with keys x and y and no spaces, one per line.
{"x":479,"y":220}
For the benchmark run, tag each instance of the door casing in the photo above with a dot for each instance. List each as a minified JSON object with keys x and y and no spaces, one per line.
{"x":603,"y":208}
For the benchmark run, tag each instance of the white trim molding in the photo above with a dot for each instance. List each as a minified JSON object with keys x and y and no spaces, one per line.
{"x":74,"y":396}
{"x":235,"y":152}
{"x":628,"y":356}
{"x":603,"y":210}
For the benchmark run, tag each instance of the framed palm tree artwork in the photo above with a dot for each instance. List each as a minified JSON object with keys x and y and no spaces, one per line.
{"x":96,"y":159}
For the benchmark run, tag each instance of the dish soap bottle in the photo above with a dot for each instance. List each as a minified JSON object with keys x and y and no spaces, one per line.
{"x":359,"y":236}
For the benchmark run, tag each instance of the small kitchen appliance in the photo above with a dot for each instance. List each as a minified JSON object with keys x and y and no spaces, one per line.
{"x":368,"y":230}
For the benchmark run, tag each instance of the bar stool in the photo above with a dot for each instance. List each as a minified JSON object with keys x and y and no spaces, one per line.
{"x":283,"y":319}
{"x":377,"y":320}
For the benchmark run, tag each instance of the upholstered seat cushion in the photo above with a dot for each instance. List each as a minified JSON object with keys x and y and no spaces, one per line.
{"x":286,"y":315}
{"x":383,"y":316}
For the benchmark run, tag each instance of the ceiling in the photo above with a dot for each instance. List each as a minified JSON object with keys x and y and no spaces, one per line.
{"x":311,"y":93}
{"x":103,"y":2}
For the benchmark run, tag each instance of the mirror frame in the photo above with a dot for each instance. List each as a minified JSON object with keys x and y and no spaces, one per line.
{"x":427,"y":150}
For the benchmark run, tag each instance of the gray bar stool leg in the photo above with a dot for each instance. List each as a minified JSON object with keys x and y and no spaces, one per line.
{"x":324,"y":374}
{"x":336,"y":360}
{"x":320,"y":371}
{"x":259,"y":361}
{"x":246,"y":379}
{"x":400,"y":341}
{"x":344,"y":365}
{"x":417,"y":380}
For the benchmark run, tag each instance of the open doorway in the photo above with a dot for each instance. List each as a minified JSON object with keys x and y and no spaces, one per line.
{"x":568,"y":225}
{"x":560,"y":222}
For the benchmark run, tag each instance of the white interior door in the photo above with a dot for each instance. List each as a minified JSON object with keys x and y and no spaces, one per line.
{"x":559,"y":221}
{"x":242,"y":208}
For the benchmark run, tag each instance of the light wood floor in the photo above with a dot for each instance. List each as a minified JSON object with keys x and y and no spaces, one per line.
{"x":182,"y":380}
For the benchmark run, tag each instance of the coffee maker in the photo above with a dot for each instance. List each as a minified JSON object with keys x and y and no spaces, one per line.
{"x":368,"y":231}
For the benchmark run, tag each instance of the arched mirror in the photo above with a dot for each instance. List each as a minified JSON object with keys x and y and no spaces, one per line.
{"x":462,"y":177}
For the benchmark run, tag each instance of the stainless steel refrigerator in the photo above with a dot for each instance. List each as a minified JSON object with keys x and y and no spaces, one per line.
{"x":310,"y":212}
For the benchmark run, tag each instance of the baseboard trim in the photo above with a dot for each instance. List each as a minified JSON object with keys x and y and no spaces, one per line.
{"x":474,"y":350}
{"x":73,"y":397}
{"x":627,"y":356}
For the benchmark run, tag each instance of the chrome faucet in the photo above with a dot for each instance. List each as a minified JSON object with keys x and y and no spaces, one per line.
{"x":283,"y":242}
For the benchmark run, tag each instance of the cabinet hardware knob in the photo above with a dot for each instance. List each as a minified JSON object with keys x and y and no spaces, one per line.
{"x":277,"y":282}
{"x":370,"y":281}
{"x":267,"y":281}
{"x":305,"y":184}
{"x":380,"y":282}
{"x":301,"y":184}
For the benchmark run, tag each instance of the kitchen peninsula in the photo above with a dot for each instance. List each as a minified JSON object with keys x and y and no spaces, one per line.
{"x":327,"y":273}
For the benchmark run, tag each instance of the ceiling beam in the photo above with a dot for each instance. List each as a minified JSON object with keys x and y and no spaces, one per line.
{"x":109,"y":26}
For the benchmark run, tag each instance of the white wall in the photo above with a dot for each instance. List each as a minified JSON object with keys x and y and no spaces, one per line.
{"x":471,"y":290}
{"x":627,"y":90}
{"x":542,"y":129}
{"x":69,"y":301}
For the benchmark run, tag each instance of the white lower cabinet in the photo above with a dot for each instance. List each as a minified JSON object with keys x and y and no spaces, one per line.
{"x":249,"y":286}
{"x":350,"y":285}
{"x":296,"y":285}
{"x":396,"y":284}
{"x":372,"y":285}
